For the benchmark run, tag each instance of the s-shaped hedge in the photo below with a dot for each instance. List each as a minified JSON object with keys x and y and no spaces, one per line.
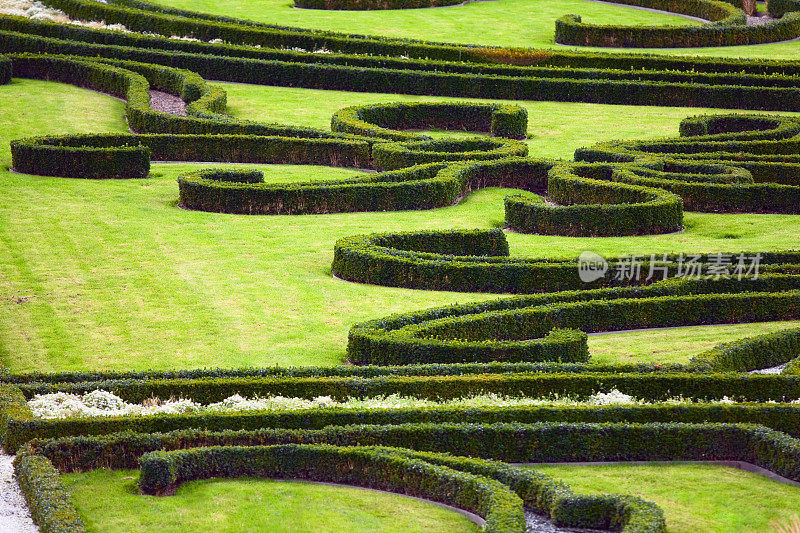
{"x":384,"y":120}
{"x":521,"y":329}
{"x":386,"y":469}
{"x":764,"y":146}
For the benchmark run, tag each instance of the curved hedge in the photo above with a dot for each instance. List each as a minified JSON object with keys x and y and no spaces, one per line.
{"x":380,"y":468}
{"x":697,"y":165}
{"x":731,"y":31}
{"x":752,"y":353}
{"x":478,"y":261}
{"x":396,"y":155}
{"x":509,"y":329}
{"x":383,"y":120}
{"x":131,"y":81}
{"x":592,"y":207}
{"x":129,"y":155}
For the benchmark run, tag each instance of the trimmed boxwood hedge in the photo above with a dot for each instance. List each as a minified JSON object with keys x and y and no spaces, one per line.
{"x":23,"y":427}
{"x":730,"y":31}
{"x":719,"y":89}
{"x":383,"y":120}
{"x":478,"y":261}
{"x":508,"y":326}
{"x":129,"y":155}
{"x":592,"y":207}
{"x":373,"y":467}
{"x":550,"y":63}
{"x":168,"y":456}
{"x":552,"y":441}
{"x":396,"y":155}
{"x":48,"y":500}
{"x":5,"y":70}
{"x":696,"y":165}
{"x":131,"y":81}
{"x":752,"y":353}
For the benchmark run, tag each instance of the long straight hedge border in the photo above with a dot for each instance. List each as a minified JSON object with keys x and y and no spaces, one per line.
{"x":512,"y":442}
{"x":553,"y":83}
{"x":780,"y":416}
{"x":48,"y":500}
{"x":549,"y":63}
{"x":373,"y":467}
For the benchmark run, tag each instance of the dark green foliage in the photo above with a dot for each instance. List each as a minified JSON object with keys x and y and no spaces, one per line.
{"x":47,"y":498}
{"x":35,"y":156}
{"x":778,"y":8}
{"x":396,"y":155}
{"x":752,"y":353}
{"x":515,"y":442}
{"x":129,"y":155}
{"x":591,"y":207}
{"x":718,"y":88}
{"x":729,"y":30}
{"x":722,"y":163}
{"x":5,"y":70}
{"x":383,"y":120}
{"x":379,"y":468}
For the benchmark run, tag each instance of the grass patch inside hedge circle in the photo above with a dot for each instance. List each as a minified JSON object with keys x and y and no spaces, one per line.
{"x":109,"y":500}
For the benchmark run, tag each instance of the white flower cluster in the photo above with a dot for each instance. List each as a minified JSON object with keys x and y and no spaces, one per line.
{"x":104,"y":403}
{"x":35,"y":10}
{"x":614,"y":397}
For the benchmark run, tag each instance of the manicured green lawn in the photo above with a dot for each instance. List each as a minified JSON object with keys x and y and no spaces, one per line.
{"x":507,"y":22}
{"x":113,"y":275}
{"x":696,"y":498}
{"x":511,"y":23}
{"x":673,"y":345}
{"x":555,"y":129}
{"x":109,"y":501}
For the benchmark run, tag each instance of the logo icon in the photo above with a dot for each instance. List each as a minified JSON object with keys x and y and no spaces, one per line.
{"x":591,"y":266}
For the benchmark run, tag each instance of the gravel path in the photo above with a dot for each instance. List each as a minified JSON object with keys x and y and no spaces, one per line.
{"x":167,"y":103}
{"x":774,"y":370}
{"x":14,"y":515}
{"x":539,"y":524}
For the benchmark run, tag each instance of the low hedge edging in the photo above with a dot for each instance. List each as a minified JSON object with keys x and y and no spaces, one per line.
{"x":752,"y":353}
{"x":5,"y":70}
{"x":129,"y":155}
{"x":782,"y":417}
{"x":383,"y":120}
{"x":396,"y":155}
{"x":593,"y":207}
{"x":379,"y":468}
{"x":48,"y":500}
{"x":728,"y":29}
